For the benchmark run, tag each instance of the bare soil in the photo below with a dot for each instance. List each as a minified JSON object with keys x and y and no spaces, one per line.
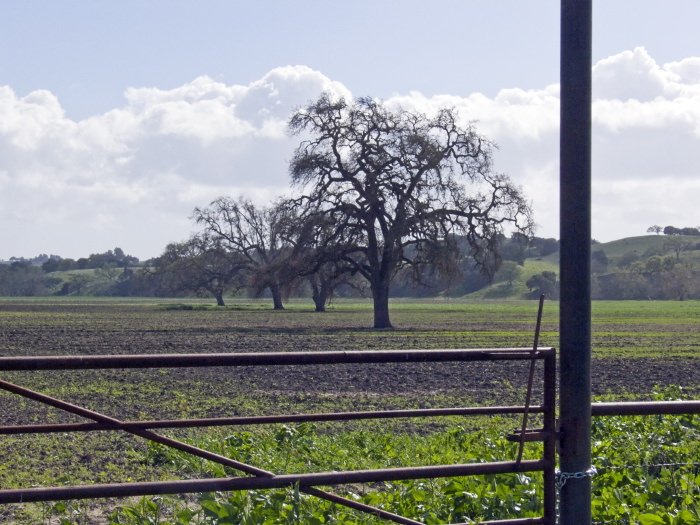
{"x":76,"y":328}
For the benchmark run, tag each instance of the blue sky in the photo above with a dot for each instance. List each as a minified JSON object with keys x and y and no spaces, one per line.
{"x":117,"y":118}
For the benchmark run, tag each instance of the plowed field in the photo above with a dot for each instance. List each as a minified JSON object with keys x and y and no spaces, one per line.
{"x":637,"y":347}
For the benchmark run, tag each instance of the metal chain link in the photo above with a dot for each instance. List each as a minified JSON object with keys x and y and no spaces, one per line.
{"x":562,"y":477}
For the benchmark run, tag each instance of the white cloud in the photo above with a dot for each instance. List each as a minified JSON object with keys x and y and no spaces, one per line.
{"x":73,"y":185}
{"x":131,"y":176}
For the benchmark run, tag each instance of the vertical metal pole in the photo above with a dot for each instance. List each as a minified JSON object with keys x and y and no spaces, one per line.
{"x":575,"y":232}
{"x":550,"y":424}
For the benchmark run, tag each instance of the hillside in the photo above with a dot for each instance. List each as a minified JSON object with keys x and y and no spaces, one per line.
{"x":643,"y":246}
{"x":518,"y":290}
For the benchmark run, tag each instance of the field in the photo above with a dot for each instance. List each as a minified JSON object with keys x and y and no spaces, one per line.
{"x":638,"y":347}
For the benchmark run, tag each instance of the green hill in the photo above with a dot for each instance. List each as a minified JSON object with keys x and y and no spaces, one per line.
{"x":518,"y":290}
{"x":644,"y":246}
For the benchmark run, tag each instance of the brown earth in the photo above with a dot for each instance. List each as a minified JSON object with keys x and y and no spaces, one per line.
{"x":113,"y":328}
{"x":52,"y":328}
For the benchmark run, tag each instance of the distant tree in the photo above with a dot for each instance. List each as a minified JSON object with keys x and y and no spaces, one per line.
{"x":628,"y":258}
{"x":632,"y":282}
{"x":52,"y":265}
{"x":201,"y":264}
{"x":680,"y":282}
{"x":109,"y":272}
{"x":543,"y":283}
{"x":655,"y":229}
{"x":402,"y":186}
{"x":671,"y":230}
{"x":509,"y":271}
{"x":22,"y":279}
{"x":544,"y":246}
{"x":253,"y":234}
{"x":654,"y":264}
{"x":599,"y":261}
{"x":78,"y":283}
{"x":65,"y":265}
{"x":514,"y":248}
{"x":678,"y":245}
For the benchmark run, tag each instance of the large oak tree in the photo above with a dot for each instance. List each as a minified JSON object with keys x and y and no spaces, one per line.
{"x":401,"y":186}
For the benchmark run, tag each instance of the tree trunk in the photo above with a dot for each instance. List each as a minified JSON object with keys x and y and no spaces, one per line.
{"x":219,"y":298}
{"x":276,"y":297}
{"x":319,"y":297}
{"x":380,"y":294}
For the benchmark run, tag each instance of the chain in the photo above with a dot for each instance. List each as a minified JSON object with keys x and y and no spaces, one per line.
{"x":562,"y":477}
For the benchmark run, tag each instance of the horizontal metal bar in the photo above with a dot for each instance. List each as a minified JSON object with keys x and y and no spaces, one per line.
{"x":645,"y":408}
{"x":263,"y":359}
{"x":262,"y":420}
{"x":261,"y":483}
{"x":519,"y":521}
{"x":597,"y":409}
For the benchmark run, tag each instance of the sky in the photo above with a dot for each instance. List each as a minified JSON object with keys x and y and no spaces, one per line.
{"x":118,"y":118}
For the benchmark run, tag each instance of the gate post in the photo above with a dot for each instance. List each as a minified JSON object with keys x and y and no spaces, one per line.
{"x":575,"y":234}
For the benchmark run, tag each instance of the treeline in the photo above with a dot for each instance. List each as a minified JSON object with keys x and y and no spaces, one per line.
{"x":110,"y":273}
{"x":175,"y":274}
{"x":660,"y":273}
{"x":672,"y":230}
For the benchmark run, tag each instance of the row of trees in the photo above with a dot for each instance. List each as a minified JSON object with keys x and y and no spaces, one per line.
{"x":672,"y":230}
{"x":379,"y":193}
{"x":115,"y":257}
{"x":656,"y":278}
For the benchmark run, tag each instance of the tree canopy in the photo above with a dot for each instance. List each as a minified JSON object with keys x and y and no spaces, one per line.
{"x":400,"y":187}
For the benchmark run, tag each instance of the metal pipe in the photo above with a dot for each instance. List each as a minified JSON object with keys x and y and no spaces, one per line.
{"x":639,"y":408}
{"x":259,"y":359}
{"x":520,"y":521}
{"x":575,"y":260}
{"x":261,"y":483}
{"x":530,"y":379}
{"x":550,"y":444}
{"x":260,"y":420}
{"x":645,"y":408}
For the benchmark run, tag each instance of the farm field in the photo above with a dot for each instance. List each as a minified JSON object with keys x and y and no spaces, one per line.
{"x":638,"y":347}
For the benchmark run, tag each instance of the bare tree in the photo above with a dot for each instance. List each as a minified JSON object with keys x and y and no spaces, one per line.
{"x":678,"y":244}
{"x":201,"y":264}
{"x":254,"y":234}
{"x":655,"y":229}
{"x":400,"y":186}
{"x":317,"y":254}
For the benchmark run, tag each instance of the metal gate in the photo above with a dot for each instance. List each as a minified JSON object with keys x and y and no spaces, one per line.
{"x":261,"y":479}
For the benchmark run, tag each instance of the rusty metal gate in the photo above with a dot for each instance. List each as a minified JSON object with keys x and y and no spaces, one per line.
{"x":261,"y":479}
